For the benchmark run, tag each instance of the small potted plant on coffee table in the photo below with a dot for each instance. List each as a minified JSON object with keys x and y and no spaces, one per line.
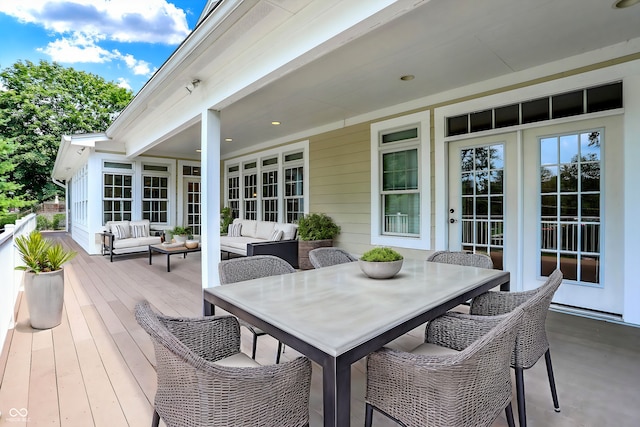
{"x":180,"y":234}
{"x":381,"y":263}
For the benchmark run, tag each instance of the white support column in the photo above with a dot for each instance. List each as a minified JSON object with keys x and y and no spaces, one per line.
{"x":210,"y":197}
{"x":631,"y":97}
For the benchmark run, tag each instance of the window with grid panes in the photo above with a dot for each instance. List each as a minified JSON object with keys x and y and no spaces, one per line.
{"x":270,"y":189}
{"x":155,"y":198}
{"x":233,"y":190}
{"x":250,"y":191}
{"x":400,"y":189}
{"x":294,"y":186}
{"x":570,"y":213}
{"x":117,"y":196}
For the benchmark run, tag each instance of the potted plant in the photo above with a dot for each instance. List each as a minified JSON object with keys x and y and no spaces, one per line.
{"x":226,"y":218}
{"x":180,"y":234}
{"x":44,"y":278}
{"x":314,"y":231}
{"x":381,"y":263}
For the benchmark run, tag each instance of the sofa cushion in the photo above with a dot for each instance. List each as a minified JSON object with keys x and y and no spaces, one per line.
{"x":134,"y":242}
{"x":264,"y":230}
{"x":248,"y":228}
{"x":234,"y":229}
{"x":121,"y":230}
{"x":276,"y":235}
{"x":140,"y":228}
{"x":289,"y":231}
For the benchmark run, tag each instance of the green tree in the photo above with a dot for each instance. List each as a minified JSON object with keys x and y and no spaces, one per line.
{"x":41,"y":102}
{"x":9,"y":191}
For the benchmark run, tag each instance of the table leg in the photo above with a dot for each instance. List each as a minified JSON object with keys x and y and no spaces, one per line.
{"x":336,"y":393}
{"x":168,"y":264}
{"x":150,"y":256}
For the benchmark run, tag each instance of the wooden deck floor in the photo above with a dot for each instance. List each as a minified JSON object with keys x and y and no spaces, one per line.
{"x":97,"y":367}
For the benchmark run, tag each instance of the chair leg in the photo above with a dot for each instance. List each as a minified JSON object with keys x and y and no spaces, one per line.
{"x":508,"y":411}
{"x":368,"y":415}
{"x":522,"y":412}
{"x":279,"y":351}
{"x":255,"y":344}
{"x":156,"y":419}
{"x":552,"y":382}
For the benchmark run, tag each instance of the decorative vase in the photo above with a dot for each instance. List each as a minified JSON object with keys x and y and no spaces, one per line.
{"x":180,"y":238}
{"x":380,"y":270}
{"x":45,"y":297}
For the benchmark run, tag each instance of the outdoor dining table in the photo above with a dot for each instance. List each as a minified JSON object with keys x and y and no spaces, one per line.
{"x":337,"y":315}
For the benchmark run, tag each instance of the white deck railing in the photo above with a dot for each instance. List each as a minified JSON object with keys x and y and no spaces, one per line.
{"x":396,"y":223}
{"x":11,"y":279}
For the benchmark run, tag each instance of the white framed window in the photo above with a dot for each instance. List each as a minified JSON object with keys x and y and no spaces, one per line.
{"x":250,"y":198}
{"x":233,"y":190}
{"x":294,"y":186}
{"x":400,"y":191}
{"x":117,"y":191}
{"x":80,"y":196}
{"x":155,"y":193}
{"x":270,"y":185}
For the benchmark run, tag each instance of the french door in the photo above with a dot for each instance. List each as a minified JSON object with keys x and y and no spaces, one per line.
{"x":192,"y":213}
{"x":536,"y":199}
{"x":482,"y":185}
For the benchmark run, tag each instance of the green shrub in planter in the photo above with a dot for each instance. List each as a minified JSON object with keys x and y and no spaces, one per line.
{"x":381,"y":255}
{"x":317,"y":226}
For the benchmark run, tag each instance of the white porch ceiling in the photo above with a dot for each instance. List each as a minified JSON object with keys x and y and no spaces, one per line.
{"x":446,"y":44}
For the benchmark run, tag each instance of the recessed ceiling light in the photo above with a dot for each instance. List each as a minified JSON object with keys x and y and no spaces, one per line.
{"x":275,"y":123}
{"x":407,"y":77}
{"x":621,"y":4}
{"x":228,"y":139}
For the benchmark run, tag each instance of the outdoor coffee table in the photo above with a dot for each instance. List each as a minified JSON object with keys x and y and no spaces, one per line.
{"x":170,"y":249}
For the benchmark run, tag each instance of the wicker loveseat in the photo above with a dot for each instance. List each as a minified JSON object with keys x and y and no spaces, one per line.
{"x":126,"y":237}
{"x":249,"y":237}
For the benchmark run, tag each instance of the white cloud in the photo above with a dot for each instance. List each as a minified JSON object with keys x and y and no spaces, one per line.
{"x":78,"y":48}
{"x":151,"y":21}
{"x":124,"y":83}
{"x":138,"y":66}
{"x":82,"y":28}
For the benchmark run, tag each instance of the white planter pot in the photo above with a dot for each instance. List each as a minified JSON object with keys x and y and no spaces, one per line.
{"x":380,"y":270}
{"x":45,"y":297}
{"x":180,"y":238}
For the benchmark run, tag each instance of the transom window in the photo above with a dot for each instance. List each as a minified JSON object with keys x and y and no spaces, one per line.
{"x":570,"y":212}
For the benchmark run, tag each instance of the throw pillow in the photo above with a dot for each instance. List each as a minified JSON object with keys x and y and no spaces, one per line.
{"x":234,"y":230}
{"x":276,"y":236}
{"x":120,"y":231}
{"x":139,"y":231}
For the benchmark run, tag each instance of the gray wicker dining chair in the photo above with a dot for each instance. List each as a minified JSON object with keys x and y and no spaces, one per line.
{"x":204,"y":380}
{"x":325,"y":257}
{"x":532,"y":342}
{"x":253,"y":267}
{"x":460,"y":376}
{"x":462,"y":258}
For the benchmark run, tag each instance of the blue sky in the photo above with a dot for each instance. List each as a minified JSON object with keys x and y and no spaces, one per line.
{"x":124,"y":41}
